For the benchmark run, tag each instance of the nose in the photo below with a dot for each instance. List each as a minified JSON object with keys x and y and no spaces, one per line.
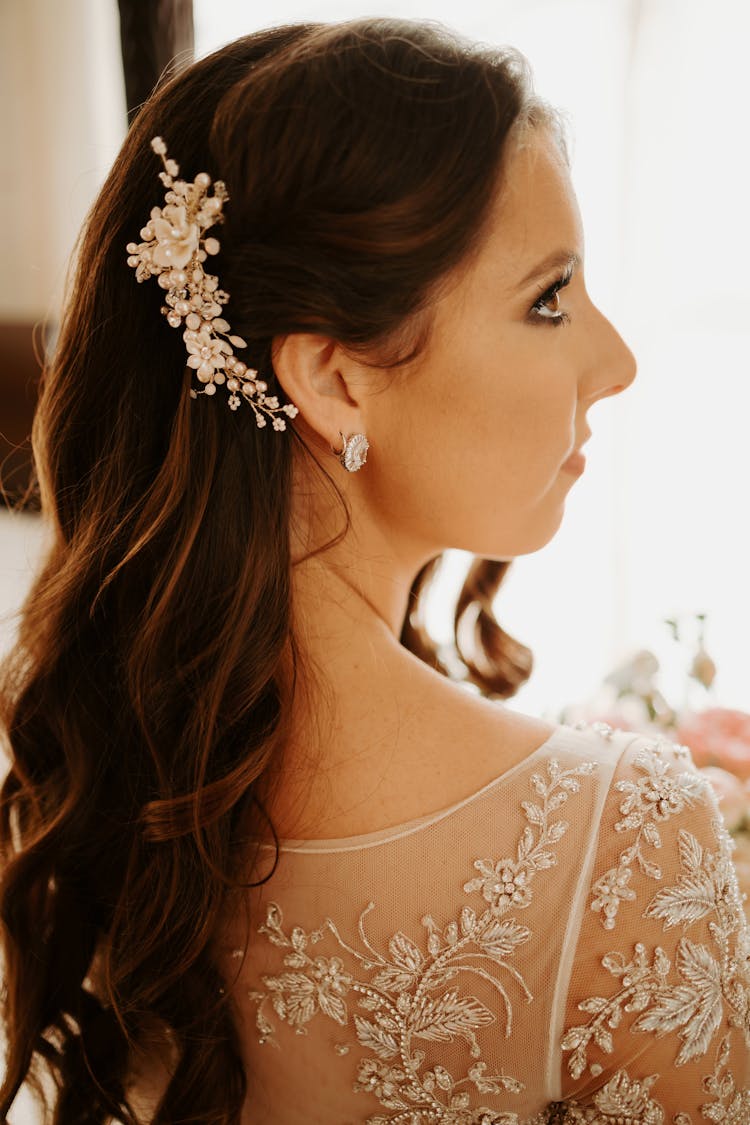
{"x":615,"y":366}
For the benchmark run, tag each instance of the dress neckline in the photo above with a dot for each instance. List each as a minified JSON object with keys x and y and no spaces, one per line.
{"x":560,"y":733}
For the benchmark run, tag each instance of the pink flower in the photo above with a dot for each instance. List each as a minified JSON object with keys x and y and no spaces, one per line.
{"x":719,"y":737}
{"x":731,"y":793}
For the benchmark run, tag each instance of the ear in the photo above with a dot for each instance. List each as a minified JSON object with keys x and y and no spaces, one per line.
{"x":321,"y":380}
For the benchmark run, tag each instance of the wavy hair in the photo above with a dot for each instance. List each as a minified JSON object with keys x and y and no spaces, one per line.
{"x":144,"y":702}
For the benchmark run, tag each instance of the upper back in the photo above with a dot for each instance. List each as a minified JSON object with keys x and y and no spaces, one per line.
{"x":445,"y":745}
{"x":457,"y":914}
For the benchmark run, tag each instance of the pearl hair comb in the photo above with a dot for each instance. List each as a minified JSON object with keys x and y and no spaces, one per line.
{"x":173,"y":250}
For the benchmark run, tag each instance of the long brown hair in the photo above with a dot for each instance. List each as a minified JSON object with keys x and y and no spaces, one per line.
{"x":144,"y":702}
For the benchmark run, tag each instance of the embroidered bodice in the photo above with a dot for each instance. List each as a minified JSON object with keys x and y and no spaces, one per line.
{"x":566,"y":945}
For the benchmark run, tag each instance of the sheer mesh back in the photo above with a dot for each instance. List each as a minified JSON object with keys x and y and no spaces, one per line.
{"x":509,"y":955}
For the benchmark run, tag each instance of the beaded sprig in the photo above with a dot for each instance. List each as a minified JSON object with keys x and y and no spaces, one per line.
{"x":173,"y":250}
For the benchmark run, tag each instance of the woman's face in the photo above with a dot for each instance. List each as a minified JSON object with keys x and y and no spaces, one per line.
{"x":468,"y":442}
{"x":467,"y":445}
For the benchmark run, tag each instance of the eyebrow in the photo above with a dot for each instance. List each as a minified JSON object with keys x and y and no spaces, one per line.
{"x":558,"y":259}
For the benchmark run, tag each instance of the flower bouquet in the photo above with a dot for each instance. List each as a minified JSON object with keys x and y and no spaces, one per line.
{"x":631,"y":698}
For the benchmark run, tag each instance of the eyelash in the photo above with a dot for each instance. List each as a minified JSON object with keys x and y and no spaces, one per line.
{"x":561,"y":317}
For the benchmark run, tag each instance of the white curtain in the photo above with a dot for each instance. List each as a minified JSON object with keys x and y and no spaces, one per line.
{"x":62,"y":120}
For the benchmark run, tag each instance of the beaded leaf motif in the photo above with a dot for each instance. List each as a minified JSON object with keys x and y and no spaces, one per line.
{"x":649,"y":801}
{"x":710,"y":987}
{"x":691,"y":996}
{"x":400,"y":997}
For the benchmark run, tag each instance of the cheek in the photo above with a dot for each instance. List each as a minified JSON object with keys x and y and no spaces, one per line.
{"x":480,"y":436}
{"x":520,"y":426}
{"x":496,"y":496}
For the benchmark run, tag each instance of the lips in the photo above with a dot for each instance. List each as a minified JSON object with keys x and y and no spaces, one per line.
{"x":578,"y":448}
{"x":576,"y":463}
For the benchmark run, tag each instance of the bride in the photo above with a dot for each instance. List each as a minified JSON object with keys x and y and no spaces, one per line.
{"x":264,"y":859}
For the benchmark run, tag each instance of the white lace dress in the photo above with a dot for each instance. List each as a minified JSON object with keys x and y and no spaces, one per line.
{"x":566,"y":945}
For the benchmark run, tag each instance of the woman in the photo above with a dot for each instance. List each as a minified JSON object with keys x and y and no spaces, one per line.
{"x":263,"y":860}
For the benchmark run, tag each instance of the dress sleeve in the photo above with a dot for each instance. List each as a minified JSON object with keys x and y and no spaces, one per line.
{"x":657,"y":1022}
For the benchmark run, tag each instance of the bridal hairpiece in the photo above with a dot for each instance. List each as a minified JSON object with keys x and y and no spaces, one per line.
{"x":173,"y":250}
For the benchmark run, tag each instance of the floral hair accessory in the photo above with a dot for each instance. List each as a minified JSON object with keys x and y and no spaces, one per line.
{"x":174,"y":250}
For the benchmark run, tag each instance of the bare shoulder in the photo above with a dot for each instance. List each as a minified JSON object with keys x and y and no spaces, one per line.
{"x":446,"y":746}
{"x":471,"y":742}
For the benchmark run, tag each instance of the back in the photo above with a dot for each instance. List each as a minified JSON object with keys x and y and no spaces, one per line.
{"x":569,"y":936}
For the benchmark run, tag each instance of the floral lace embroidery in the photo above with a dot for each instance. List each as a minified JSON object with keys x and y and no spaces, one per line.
{"x":626,"y":1101}
{"x":653,"y":798}
{"x":623,"y":1101}
{"x":399,"y":995}
{"x":693,"y":1006}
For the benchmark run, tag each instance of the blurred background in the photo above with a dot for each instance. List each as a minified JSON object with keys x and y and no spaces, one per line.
{"x":656,"y":94}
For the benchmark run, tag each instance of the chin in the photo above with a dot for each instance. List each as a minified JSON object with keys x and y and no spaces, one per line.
{"x":530,"y":536}
{"x":525,"y":547}
{"x":531,"y":544}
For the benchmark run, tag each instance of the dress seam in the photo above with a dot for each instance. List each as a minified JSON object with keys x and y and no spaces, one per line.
{"x":573,"y":932}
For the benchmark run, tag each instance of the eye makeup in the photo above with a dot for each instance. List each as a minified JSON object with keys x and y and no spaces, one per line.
{"x":556,"y":317}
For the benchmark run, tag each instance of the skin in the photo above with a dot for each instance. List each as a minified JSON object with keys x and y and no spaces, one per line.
{"x":466,"y":449}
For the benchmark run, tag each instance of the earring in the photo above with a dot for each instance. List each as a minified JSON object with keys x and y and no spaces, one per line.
{"x":354,"y":453}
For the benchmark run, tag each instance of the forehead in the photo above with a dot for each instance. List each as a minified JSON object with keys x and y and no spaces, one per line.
{"x":535,"y":213}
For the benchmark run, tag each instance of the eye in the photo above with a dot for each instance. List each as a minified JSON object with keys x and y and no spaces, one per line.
{"x":556,"y":316}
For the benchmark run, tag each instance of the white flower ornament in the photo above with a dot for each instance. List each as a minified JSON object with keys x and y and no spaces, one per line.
{"x":174,"y":250}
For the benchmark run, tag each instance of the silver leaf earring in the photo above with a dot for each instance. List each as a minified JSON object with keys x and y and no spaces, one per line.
{"x":354,"y":453}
